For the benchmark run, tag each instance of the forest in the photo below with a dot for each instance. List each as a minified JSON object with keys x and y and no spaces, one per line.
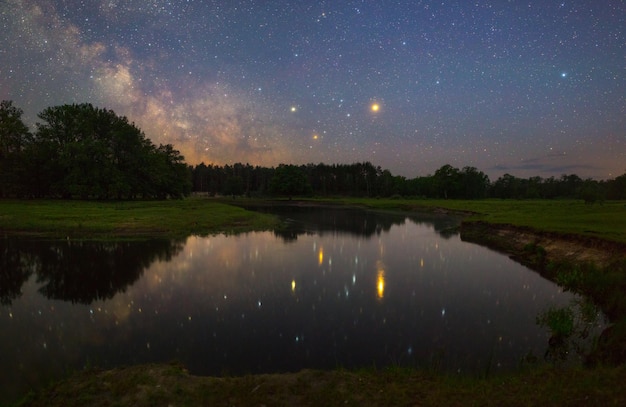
{"x":83,"y":152}
{"x":366,"y":180}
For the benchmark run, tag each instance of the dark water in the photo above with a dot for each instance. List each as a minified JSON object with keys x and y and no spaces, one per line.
{"x":334,"y":288}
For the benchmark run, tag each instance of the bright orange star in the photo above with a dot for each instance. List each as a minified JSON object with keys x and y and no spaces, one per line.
{"x":375,"y":107}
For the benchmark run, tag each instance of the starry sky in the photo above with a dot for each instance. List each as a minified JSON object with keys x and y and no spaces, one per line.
{"x":529,"y":88}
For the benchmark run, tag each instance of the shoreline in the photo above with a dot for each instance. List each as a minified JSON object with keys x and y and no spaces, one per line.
{"x":592,"y":267}
{"x":535,"y":249}
{"x":171,"y":384}
{"x":516,"y":240}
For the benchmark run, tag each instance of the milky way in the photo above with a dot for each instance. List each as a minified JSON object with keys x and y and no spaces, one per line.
{"x":524,"y":87}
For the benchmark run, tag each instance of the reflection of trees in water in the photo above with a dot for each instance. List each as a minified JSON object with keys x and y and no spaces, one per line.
{"x":310,"y":220}
{"x":362,"y":223}
{"x":14,"y":270}
{"x":77,"y":271}
{"x":446,"y":226}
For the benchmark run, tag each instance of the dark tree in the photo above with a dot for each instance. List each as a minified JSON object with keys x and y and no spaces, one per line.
{"x":386,"y":184}
{"x":234,"y":186}
{"x":289,"y":180}
{"x":591,"y":192}
{"x":617,"y":187}
{"x":507,"y":186}
{"x":86,"y":152}
{"x":14,"y":138}
{"x":474,"y":183}
{"x":447,"y":180}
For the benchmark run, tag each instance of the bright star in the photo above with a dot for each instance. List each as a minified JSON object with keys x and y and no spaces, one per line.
{"x":293,"y":109}
{"x":375,"y":107}
{"x":563,"y":74}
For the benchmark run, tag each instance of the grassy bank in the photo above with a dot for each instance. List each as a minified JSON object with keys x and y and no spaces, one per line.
{"x":83,"y":219}
{"x":604,"y":221}
{"x":124,"y":220}
{"x":163,"y":385}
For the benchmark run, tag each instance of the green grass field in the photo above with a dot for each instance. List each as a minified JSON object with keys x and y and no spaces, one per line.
{"x":136,"y":219}
{"x":604,"y":221}
{"x":124,"y":220}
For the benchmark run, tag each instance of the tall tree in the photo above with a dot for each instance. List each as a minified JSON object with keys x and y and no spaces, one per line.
{"x":14,"y":138}
{"x":447,"y":180}
{"x":89,"y":152}
{"x":290,"y":180}
{"x":617,"y":187}
{"x":474,"y":183}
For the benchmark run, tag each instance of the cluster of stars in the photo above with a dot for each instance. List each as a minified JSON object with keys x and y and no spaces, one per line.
{"x":514,"y":74}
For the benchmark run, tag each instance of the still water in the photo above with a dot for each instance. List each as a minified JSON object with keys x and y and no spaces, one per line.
{"x":334,"y":288}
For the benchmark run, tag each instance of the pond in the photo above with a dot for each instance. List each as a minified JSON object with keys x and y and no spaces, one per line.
{"x":333,"y":288}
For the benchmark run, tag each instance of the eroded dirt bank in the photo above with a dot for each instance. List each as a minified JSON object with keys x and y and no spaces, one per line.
{"x":518,"y":242}
{"x":593,"y":267}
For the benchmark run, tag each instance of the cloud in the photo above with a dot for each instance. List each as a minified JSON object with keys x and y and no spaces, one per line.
{"x":551,"y":164}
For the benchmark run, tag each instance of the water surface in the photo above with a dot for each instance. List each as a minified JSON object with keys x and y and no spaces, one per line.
{"x":335,"y":288}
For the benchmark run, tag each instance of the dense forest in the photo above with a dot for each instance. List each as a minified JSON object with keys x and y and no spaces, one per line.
{"x":82,"y":152}
{"x":366,"y":180}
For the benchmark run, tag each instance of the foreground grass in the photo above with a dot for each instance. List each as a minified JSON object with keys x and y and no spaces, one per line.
{"x":604,"y":221}
{"x":168,"y":385}
{"x":123,"y":220}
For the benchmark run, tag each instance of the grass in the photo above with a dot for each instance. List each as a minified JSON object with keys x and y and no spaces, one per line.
{"x":604,"y":221}
{"x":163,"y":385}
{"x":124,"y":220}
{"x":88,"y":219}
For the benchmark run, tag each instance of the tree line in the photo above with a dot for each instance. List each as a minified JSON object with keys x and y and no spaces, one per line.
{"x":80,"y":151}
{"x":366,"y":180}
{"x":83,"y":152}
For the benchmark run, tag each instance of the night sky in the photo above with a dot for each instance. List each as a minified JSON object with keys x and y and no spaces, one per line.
{"x":530,"y":88}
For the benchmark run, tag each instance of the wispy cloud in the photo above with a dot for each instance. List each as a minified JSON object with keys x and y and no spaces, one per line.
{"x":551,"y":164}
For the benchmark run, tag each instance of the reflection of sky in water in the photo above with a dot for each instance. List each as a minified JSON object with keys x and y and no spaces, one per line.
{"x":253,"y":303}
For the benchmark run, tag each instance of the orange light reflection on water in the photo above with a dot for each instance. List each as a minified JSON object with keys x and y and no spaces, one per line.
{"x":380,"y":279}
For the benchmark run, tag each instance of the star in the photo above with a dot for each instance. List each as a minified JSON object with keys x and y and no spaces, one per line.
{"x":236,"y":72}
